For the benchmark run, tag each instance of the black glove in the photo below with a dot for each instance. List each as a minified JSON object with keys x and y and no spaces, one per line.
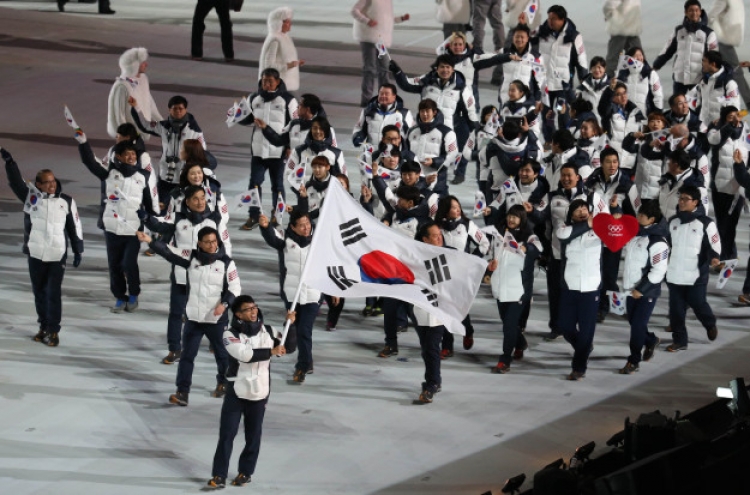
{"x":393,"y":67}
{"x":6,"y":156}
{"x":142,"y":214}
{"x":76,"y":260}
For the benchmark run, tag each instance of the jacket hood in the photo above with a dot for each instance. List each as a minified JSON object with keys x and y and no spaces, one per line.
{"x":270,"y":95}
{"x":302,"y":242}
{"x":208,"y":258}
{"x":131,"y":60}
{"x":277,"y":17}
{"x":569,"y":31}
{"x":457,"y":79}
{"x":660,"y":228}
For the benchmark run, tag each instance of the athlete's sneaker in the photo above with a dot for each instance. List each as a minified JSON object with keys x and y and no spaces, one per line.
{"x":119,"y":306}
{"x":388,"y":351}
{"x":172,"y":357}
{"x":179,"y":398}
{"x":217,"y":482}
{"x":39,"y":337}
{"x":241,"y":480}
{"x":52,"y":339}
{"x":132,"y":304}
{"x":629,"y":368}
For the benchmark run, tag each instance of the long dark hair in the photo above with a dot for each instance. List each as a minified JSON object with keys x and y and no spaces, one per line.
{"x":444,"y":207}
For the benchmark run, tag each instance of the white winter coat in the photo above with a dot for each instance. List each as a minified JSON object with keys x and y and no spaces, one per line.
{"x":50,"y":217}
{"x":687,"y":244}
{"x":723,"y":179}
{"x":582,"y":270}
{"x":380,"y":11}
{"x":727,"y":19}
{"x":712,"y":97}
{"x":507,"y":279}
{"x":688,"y":48}
{"x":253,"y":380}
{"x":130,"y":83}
{"x":278,"y":50}
{"x":623,"y":17}
{"x":453,"y":11}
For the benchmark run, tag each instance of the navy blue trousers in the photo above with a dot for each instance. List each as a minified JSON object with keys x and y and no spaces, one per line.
{"x":303,"y":328}
{"x":191,"y":340}
{"x":46,"y":283}
{"x":510,"y":314}
{"x":448,"y":338}
{"x":577,"y":315}
{"x":680,"y":298}
{"x":232,"y":410}
{"x":610,"y":268}
{"x":122,"y":258}
{"x":177,"y":300}
{"x":639,"y":313}
{"x":553,"y":293}
{"x":395,"y":314}
{"x":429,"y":341}
{"x":258,"y":167}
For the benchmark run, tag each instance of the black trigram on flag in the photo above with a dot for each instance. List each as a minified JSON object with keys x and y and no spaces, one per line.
{"x":431,"y":297}
{"x":337,"y":275}
{"x":438,"y":269}
{"x":351,"y":232}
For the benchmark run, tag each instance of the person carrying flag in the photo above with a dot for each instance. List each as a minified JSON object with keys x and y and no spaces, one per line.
{"x":51,"y":223}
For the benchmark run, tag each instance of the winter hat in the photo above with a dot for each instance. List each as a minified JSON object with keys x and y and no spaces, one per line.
{"x":131,"y":60}
{"x":277,"y":17}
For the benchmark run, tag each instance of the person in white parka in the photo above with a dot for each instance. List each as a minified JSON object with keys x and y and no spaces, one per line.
{"x":278,"y":51}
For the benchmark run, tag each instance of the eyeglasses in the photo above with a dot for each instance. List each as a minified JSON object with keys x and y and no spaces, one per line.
{"x":248,"y":308}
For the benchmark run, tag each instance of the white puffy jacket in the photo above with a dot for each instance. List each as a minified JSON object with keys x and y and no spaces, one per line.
{"x":687,"y":239}
{"x":380,"y":11}
{"x":278,"y":49}
{"x":294,"y":261}
{"x":372,"y":119}
{"x":458,"y":238}
{"x":689,"y":48}
{"x":581,"y":258}
{"x":723,"y":160}
{"x":643,"y":255}
{"x":253,"y":380}
{"x":507,"y":279}
{"x":562,"y":53}
{"x":453,"y":11}
{"x":719,"y":90}
{"x":276,"y":109}
{"x":559,"y":203}
{"x":639,"y":88}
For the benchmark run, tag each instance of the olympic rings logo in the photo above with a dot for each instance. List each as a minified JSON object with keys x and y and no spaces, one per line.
{"x":615,"y":229}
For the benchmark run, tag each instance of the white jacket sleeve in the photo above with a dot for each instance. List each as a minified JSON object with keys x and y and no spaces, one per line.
{"x":238,"y":347}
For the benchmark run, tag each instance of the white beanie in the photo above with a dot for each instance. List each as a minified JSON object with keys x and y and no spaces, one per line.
{"x":131,"y":60}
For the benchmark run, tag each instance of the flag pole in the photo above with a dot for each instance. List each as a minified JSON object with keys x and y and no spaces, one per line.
{"x":305,"y":268}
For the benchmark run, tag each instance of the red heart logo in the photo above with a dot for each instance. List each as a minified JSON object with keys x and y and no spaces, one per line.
{"x":615,"y":232}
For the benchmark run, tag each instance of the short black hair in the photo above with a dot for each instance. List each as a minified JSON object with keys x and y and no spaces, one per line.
{"x":208,"y":231}
{"x":608,"y":151}
{"x":559,"y":11}
{"x":122,"y":147}
{"x":128,"y":130}
{"x":651,"y":209}
{"x":597,"y":60}
{"x":691,"y":191}
{"x":564,"y":139}
{"x":311,"y":101}
{"x":535,"y":166}
{"x":325,"y":126}
{"x":271,"y":72}
{"x":191,"y":191}
{"x":714,"y":58}
{"x":390,"y":86}
{"x":177,"y":100}
{"x":690,"y":3}
{"x":296,"y":215}
{"x":511,"y":129}
{"x":427,"y":104}
{"x":239,"y":301}
{"x":673,"y":98}
{"x":388,"y":128}
{"x":524,"y":28}
{"x":681,"y":158}
{"x":411,"y":166}
{"x":424,"y":229}
{"x":408,"y":193}
{"x":443,"y":59}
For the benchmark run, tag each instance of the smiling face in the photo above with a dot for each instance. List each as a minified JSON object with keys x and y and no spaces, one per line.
{"x":455,"y":210}
{"x":587,"y":130}
{"x":269,"y":83}
{"x":638,"y":55}
{"x":195,"y":175}
{"x":568,"y":178}
{"x":445,"y":71}
{"x":514,"y":94}
{"x":457,"y":45}
{"x":680,"y":106}
{"x":693,"y":13}
{"x":208,"y":243}
{"x":197,"y":202}
{"x":389,"y":162}
{"x":598,"y":71}
{"x":177,"y":111}
{"x":248,"y":312}
{"x":520,"y":40}
{"x":386,"y":97}
{"x":128,"y":157}
{"x":46,"y":183}
{"x":303,"y":227}
{"x":316,"y":132}
{"x":512,"y":221}
{"x":527,"y":174}
{"x":409,"y":178}
{"x":434,"y":236}
{"x":427,"y":114}
{"x":580,"y":214}
{"x":320,"y":170}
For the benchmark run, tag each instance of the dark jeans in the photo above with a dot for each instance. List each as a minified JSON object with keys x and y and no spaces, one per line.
{"x":726,"y":223}
{"x":122,"y":258}
{"x":258,"y":167}
{"x":448,"y":338}
{"x":510,"y":314}
{"x":334,"y":312}
{"x":578,"y":323}
{"x":177,"y":300}
{"x":610,"y":268}
{"x":553,"y":293}
{"x":639,"y":313}
{"x":46,"y":282}
{"x":202,"y":8}
{"x":191,"y":340}
{"x":232,"y":411}
{"x":394,"y":315}
{"x":680,"y":298}
{"x":462,"y":130}
{"x":303,"y":326}
{"x":429,"y":341}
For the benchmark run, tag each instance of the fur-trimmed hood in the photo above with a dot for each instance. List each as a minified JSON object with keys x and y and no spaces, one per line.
{"x":131,"y":60}
{"x":277,"y":17}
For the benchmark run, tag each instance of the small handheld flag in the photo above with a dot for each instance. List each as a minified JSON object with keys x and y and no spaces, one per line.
{"x":617,"y":302}
{"x":493,"y":123}
{"x":280,"y":208}
{"x":510,"y":244}
{"x":531,"y":10}
{"x":480,"y":203}
{"x":69,"y":118}
{"x":382,"y":50}
{"x":296,"y":177}
{"x":726,"y":272}
{"x":248,"y":199}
